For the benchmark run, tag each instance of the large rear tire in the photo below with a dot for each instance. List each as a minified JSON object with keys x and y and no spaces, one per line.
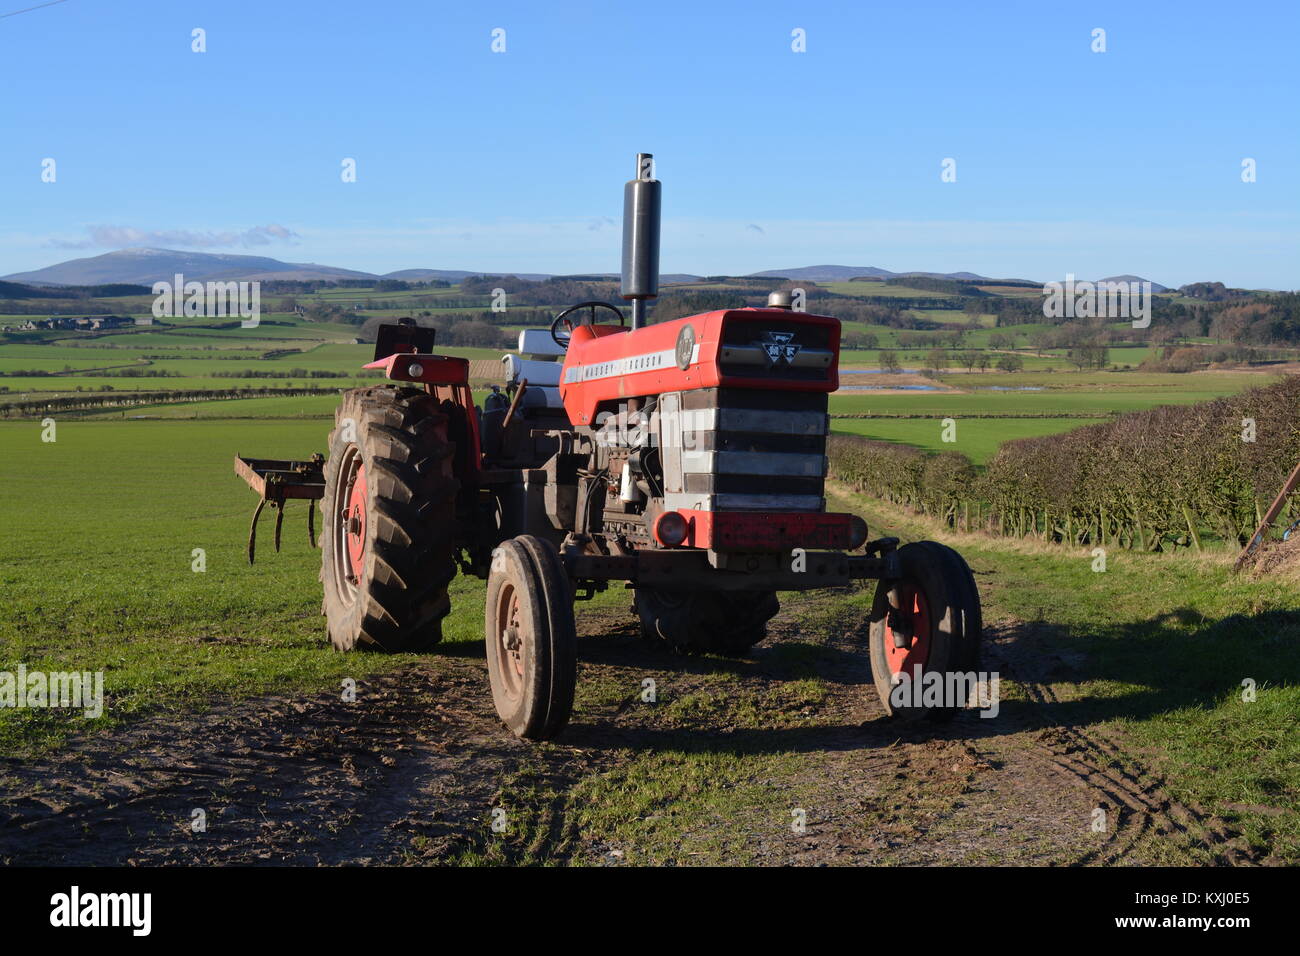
{"x":388,"y":520}
{"x":532,"y":644}
{"x":938,"y":629}
{"x":706,"y":622}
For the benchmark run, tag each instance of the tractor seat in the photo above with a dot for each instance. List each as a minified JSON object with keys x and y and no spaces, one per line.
{"x":538,"y":344}
{"x":539,"y":368}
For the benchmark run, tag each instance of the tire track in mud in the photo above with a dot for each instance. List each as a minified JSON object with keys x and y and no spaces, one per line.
{"x":1032,"y":769}
{"x":1136,"y":801}
{"x":960,"y":792}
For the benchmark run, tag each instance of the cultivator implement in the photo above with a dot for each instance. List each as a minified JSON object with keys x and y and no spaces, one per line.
{"x":277,"y":482}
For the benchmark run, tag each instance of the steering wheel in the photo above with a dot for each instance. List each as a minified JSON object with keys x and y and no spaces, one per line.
{"x":563,"y":340}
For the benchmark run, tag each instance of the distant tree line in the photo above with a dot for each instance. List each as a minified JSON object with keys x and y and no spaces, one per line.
{"x":281,"y":373}
{"x":18,"y":290}
{"x":309,"y":286}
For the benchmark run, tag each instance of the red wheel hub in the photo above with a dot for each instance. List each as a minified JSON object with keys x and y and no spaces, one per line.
{"x":356,"y":523}
{"x":902,"y":660}
{"x":512,"y":634}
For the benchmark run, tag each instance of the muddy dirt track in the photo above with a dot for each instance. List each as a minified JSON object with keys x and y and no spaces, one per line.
{"x":410,"y":772}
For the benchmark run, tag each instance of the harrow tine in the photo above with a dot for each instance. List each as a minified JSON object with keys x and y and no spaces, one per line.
{"x":279,"y":522}
{"x":252,"y":530}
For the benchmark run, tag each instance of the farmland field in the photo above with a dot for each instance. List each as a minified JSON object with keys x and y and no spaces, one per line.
{"x":992,"y":408}
{"x":284,"y":351}
{"x":281,"y":351}
{"x":976,"y":438}
{"x":873,"y":288}
{"x":1069,"y":403}
{"x":98,"y":566}
{"x":284,"y":407}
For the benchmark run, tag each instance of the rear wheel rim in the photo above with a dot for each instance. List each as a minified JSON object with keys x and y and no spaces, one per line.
{"x":348,"y":543}
{"x":903,"y":660}
{"x":511,"y":636}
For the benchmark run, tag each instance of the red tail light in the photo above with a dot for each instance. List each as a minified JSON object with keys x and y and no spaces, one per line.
{"x":670,"y":529}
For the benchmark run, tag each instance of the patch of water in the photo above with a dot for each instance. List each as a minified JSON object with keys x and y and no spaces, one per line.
{"x":890,"y":388}
{"x":880,"y":371}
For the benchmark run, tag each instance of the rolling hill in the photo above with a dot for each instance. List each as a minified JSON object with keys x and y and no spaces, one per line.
{"x":843,"y":273}
{"x":145,"y":266}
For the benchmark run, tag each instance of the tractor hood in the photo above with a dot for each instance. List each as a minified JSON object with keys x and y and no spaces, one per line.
{"x":770,"y":349}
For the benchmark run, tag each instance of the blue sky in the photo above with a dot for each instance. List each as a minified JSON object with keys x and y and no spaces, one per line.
{"x":1067,"y":160}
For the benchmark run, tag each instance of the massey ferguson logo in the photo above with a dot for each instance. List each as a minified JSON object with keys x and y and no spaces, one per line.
{"x":779,"y":347}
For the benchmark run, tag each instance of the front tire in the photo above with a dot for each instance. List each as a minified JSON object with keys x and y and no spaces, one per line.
{"x":938,"y":629}
{"x":532,"y":643}
{"x":387,"y":536}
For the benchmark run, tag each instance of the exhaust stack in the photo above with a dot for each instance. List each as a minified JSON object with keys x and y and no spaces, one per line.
{"x":641,"y":238}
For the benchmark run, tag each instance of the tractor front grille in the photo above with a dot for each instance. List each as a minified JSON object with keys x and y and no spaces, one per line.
{"x":727,"y":449}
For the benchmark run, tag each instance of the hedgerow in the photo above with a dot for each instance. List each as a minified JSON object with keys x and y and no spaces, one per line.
{"x":1150,"y":479}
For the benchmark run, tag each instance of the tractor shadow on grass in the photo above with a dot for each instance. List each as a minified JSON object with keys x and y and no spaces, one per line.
{"x":880,"y":733}
{"x":1164,"y":663}
{"x":852,"y":717}
{"x":1147,"y":667}
{"x":1053,"y":676}
{"x":786,"y":654}
{"x":467,"y":650}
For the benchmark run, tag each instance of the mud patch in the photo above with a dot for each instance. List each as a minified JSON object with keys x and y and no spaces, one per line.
{"x":411,"y":772}
{"x":304,"y":781}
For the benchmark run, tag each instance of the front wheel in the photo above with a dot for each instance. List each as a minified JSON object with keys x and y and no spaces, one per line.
{"x":925,"y":634}
{"x":532,"y":644}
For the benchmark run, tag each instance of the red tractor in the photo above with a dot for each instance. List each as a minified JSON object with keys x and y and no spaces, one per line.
{"x":686,"y":459}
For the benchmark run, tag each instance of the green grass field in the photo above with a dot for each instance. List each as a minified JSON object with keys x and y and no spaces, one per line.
{"x":96,"y":570}
{"x":192,"y":354}
{"x":287,"y":407}
{"x":188,"y":357}
{"x":874,"y":288}
{"x":315,"y":407}
{"x":1086,"y":400}
{"x":976,"y":438}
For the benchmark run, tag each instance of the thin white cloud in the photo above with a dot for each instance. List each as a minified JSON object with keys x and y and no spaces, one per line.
{"x":121,"y":237}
